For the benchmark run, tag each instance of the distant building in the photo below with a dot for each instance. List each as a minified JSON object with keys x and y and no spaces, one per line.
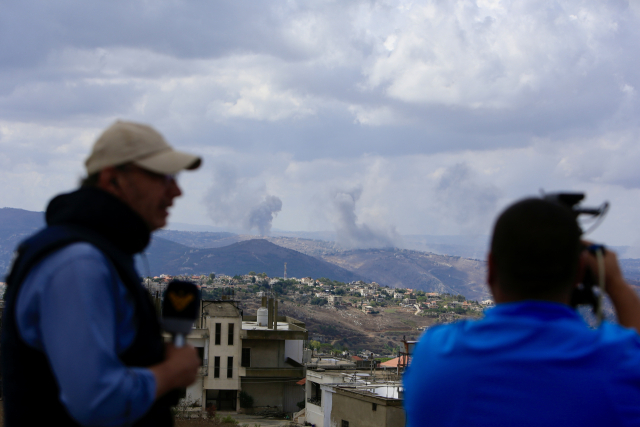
{"x":335,"y":300}
{"x":352,"y":399}
{"x":318,"y":337}
{"x":364,"y":291}
{"x":239,"y":355}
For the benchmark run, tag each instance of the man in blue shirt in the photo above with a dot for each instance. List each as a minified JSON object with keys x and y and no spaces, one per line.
{"x":81,"y":342}
{"x":532,"y":360}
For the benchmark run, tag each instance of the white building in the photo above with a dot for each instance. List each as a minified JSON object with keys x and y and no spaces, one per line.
{"x":240,"y":355}
{"x":335,"y":300}
{"x":351,"y":398}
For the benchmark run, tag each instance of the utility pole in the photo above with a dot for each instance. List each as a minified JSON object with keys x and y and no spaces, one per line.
{"x":285,"y":271}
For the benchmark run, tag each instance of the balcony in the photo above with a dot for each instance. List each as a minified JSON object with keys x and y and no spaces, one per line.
{"x":275,"y":372}
{"x":315,"y":401}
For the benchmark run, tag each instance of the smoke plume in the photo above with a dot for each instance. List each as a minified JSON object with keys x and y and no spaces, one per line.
{"x":262,"y":215}
{"x":349,"y":232}
{"x":239,"y":202}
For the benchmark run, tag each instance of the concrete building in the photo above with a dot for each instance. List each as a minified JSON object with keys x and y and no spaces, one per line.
{"x":239,"y":354}
{"x":352,"y":399}
{"x":334,"y":300}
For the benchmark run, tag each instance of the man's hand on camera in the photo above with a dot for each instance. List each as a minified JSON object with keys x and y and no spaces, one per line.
{"x":179,"y":369}
{"x":613,"y":277}
{"x":625,"y":300}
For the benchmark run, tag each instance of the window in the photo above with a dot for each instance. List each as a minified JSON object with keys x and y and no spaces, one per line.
{"x":230,"y":367}
{"x":374,"y":406}
{"x":345,"y":423}
{"x":218,"y":333}
{"x":230,"y":334}
{"x":200,"y":351}
{"x":246,"y":358}
{"x":216,"y":367}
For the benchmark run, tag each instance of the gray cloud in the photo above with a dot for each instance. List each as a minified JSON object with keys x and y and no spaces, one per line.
{"x":352,"y":234}
{"x":479,"y":83}
{"x":466,"y":201}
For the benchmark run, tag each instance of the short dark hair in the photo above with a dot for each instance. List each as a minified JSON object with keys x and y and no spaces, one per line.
{"x":536,"y":248}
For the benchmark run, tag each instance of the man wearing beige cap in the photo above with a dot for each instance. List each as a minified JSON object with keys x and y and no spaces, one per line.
{"x":81,"y":342}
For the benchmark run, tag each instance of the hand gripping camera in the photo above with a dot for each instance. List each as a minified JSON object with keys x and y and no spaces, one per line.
{"x":591,"y":290}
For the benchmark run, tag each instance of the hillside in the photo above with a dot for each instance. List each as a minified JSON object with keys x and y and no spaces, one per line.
{"x":417,"y":270}
{"x":15,"y":226}
{"x":239,"y":258}
{"x":390,"y":267}
{"x":175,"y":252}
{"x":351,"y":327}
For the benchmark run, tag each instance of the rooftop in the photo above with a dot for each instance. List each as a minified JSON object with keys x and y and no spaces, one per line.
{"x":250,"y":325}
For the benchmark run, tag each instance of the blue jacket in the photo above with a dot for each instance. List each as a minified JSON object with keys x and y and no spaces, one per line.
{"x":530,"y":363}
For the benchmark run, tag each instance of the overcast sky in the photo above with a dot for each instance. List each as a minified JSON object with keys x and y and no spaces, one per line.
{"x":374,"y":119}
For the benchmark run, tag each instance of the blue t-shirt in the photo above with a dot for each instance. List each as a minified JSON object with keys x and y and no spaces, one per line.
{"x":73,"y":307}
{"x":529,"y":363}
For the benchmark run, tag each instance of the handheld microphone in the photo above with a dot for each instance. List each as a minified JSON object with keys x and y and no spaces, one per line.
{"x":180,"y":309}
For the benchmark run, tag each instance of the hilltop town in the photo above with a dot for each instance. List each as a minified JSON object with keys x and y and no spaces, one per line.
{"x":358,"y":316}
{"x":274,"y":345}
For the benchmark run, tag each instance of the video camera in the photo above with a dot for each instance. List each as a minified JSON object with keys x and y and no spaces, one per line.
{"x":590,"y":291}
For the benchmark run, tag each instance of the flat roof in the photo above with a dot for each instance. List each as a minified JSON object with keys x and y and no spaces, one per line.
{"x":253,"y":326}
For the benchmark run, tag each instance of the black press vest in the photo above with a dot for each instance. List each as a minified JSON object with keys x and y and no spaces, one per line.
{"x":30,"y":391}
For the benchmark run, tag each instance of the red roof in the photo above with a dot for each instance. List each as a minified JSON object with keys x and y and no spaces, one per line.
{"x":356,"y":358}
{"x":393,"y":363}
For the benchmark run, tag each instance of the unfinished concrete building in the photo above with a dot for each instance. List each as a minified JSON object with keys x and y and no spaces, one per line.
{"x":260,"y":354}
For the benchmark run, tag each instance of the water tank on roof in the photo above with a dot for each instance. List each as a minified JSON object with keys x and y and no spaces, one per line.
{"x":263,"y":316}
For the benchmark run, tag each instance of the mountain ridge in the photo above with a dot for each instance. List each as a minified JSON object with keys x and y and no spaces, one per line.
{"x":192,"y":252}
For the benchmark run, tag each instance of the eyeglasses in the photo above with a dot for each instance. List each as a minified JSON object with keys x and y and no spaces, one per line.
{"x":166,"y":178}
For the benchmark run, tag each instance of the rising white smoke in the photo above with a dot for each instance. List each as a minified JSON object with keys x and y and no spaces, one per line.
{"x":351,"y":234}
{"x":235,"y":201}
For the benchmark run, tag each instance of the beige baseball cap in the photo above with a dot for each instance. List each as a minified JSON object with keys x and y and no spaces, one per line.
{"x":128,"y":142}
